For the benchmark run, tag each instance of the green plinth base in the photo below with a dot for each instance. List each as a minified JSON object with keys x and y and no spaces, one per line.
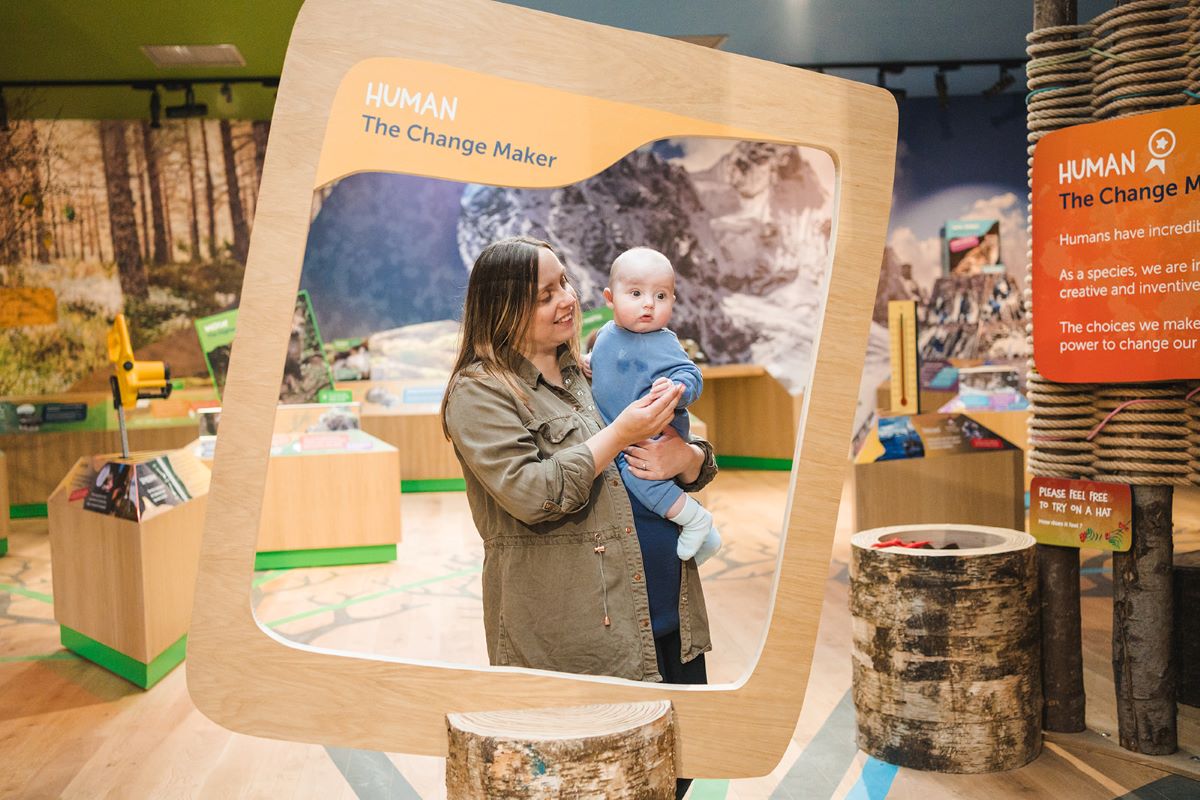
{"x":132,"y":670}
{"x":325,"y":557}
{"x":751,"y":462}
{"x":433,"y":485}
{"x":27,"y":511}
{"x":4,"y":546}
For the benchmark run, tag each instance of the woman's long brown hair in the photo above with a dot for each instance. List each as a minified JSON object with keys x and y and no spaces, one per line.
{"x":501,"y":294}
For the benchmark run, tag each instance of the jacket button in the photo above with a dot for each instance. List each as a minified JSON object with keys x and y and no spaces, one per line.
{"x":637,"y":576}
{"x":548,"y":506}
{"x":627,"y":528}
{"x":616,"y":482}
{"x":645,"y":623}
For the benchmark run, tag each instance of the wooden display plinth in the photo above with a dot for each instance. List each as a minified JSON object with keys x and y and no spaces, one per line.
{"x":971,"y":488}
{"x":328,"y":507}
{"x":954,"y":481}
{"x":123,"y":586}
{"x":3,"y":504}
{"x":37,"y":461}
{"x":426,"y":459}
{"x":752,"y":420}
{"x":612,"y":751}
{"x":407,"y":415}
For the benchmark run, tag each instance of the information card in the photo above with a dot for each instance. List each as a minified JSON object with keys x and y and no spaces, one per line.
{"x":1079,"y":513}
{"x":1116,"y":250}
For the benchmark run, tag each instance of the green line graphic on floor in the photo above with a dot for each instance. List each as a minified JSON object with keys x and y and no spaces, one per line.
{"x":353,"y":601}
{"x":21,"y":590}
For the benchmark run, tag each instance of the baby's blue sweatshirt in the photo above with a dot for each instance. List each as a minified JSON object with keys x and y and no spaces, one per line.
{"x":625,"y":365}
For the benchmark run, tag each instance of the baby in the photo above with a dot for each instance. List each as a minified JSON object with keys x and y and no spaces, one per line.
{"x":636,"y":354}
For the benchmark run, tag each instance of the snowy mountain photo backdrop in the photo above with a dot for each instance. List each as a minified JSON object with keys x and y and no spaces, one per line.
{"x":746,"y":225}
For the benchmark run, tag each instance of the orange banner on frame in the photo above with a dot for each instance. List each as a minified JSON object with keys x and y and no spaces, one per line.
{"x":1116,"y":250}
{"x":420,"y":118}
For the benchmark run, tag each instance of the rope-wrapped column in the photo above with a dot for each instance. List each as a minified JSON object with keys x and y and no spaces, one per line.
{"x":1194,"y":434}
{"x":1193,"y":90}
{"x":1140,"y":64}
{"x":1140,"y":58}
{"x":1060,"y":95}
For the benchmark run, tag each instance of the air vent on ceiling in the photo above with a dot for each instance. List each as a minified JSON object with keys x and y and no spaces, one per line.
{"x":194,"y":55}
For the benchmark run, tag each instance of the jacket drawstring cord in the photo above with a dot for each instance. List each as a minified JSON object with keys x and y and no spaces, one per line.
{"x":600,"y":549}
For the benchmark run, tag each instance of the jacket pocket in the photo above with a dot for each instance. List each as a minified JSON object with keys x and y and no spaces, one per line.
{"x":552,"y":434}
{"x":553,"y":609}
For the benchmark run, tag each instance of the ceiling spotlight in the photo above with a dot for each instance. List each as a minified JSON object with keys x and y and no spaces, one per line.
{"x":190,"y":107}
{"x":226,"y":92}
{"x":155,"y":109}
{"x":942,"y":88}
{"x":1002,"y":83}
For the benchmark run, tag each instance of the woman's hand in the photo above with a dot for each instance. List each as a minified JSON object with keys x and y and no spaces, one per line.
{"x":665,"y":458}
{"x":647,"y":416}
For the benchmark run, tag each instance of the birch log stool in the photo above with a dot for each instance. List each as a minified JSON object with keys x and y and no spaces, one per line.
{"x":946,"y":648}
{"x":602,"y":751}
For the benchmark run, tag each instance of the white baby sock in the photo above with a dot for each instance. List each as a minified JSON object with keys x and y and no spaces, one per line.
{"x":709,"y":547}
{"x":697,"y":534}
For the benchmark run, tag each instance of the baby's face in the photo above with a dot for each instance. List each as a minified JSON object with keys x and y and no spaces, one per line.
{"x":643,"y":297}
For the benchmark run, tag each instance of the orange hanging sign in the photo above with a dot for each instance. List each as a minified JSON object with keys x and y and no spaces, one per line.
{"x":1116,"y":250}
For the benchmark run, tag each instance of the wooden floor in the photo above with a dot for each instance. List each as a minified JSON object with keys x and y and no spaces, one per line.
{"x":70,"y":729}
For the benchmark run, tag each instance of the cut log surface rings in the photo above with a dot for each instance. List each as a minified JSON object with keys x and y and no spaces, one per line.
{"x":614,"y":751}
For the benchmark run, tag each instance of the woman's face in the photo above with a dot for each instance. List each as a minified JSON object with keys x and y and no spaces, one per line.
{"x":554,"y":309}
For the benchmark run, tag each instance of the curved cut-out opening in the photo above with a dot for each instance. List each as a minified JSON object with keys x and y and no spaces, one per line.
{"x":749,"y":229}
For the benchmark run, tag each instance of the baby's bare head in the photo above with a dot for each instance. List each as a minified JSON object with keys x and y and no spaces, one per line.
{"x":641,"y":263}
{"x":641,"y":290}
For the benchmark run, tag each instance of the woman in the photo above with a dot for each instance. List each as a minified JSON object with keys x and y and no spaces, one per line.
{"x":567,"y":559}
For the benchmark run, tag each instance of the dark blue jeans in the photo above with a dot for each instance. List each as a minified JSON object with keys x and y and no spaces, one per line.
{"x":667,"y":648}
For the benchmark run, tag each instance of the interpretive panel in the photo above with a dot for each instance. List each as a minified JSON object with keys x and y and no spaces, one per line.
{"x":1116,"y":250}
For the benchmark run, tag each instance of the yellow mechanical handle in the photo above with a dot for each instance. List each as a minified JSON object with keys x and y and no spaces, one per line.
{"x":135,"y":379}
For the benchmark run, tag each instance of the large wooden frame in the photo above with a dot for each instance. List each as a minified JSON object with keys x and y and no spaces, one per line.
{"x":250,"y":679}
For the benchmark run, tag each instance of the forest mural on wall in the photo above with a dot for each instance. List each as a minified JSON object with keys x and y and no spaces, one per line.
{"x":117,"y":215}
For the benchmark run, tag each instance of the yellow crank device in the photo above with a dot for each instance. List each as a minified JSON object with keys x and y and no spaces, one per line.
{"x":133,"y":380}
{"x":906,"y":379}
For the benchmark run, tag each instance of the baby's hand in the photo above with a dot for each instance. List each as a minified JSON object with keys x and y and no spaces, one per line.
{"x":661,"y":385}
{"x":586,"y":366}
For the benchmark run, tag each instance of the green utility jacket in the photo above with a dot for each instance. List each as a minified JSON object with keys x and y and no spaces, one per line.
{"x":560,"y":553}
